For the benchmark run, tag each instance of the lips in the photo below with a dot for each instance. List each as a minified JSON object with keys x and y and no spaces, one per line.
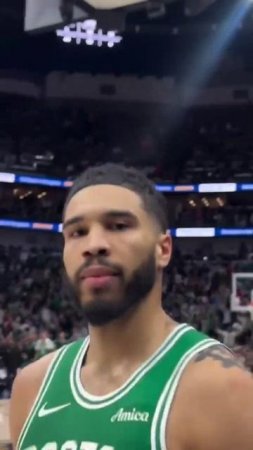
{"x":97,"y":272}
{"x":98,"y":277}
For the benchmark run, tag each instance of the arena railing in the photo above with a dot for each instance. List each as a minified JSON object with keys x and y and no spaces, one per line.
{"x":175,"y":232}
{"x":6,"y":177}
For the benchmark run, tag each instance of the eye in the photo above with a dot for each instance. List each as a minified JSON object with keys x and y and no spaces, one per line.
{"x":118,"y":226}
{"x":77,"y":233}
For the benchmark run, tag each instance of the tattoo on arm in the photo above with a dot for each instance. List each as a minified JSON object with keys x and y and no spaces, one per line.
{"x":221,"y":355}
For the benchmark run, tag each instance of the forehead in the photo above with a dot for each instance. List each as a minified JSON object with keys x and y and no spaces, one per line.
{"x":101,"y":198}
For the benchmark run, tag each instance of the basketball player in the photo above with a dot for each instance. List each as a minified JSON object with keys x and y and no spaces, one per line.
{"x":140,"y":381}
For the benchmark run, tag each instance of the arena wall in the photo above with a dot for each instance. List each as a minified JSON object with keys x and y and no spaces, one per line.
{"x":128,"y":89}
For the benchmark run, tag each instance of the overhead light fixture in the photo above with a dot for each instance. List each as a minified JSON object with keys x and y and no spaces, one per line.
{"x":205,"y":201}
{"x":25,"y":195}
{"x":87,"y":32}
{"x":41,"y":195}
{"x":192,"y":203}
{"x":220,"y":201}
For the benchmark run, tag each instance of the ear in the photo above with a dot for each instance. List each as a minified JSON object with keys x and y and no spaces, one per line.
{"x":164,"y":251}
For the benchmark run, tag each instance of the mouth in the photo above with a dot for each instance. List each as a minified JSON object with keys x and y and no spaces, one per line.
{"x":98,"y":277}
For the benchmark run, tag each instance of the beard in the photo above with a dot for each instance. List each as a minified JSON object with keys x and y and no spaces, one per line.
{"x":103,"y":310}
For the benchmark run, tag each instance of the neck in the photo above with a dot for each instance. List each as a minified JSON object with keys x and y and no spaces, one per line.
{"x":132,"y":337}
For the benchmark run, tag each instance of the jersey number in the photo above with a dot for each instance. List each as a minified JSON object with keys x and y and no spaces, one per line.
{"x":73,"y":445}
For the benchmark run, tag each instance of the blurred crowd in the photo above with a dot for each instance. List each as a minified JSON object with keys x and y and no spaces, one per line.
{"x":38,"y":313}
{"x":226,"y":216}
{"x":211,"y":144}
{"x":221,"y":142}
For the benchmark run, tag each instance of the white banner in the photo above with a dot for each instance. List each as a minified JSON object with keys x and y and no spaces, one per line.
{"x":195,"y":232}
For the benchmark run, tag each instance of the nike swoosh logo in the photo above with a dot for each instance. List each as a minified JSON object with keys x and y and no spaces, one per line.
{"x":44,"y":411}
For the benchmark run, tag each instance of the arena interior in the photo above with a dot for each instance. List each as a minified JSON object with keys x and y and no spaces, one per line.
{"x":169,"y":90}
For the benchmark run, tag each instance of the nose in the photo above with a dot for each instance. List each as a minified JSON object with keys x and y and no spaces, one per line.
{"x":96,"y":244}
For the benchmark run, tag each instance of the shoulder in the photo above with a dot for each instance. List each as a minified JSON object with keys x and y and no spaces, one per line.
{"x":34,"y":373}
{"x":215,"y":400}
{"x":218,"y":376}
{"x":25,"y":389}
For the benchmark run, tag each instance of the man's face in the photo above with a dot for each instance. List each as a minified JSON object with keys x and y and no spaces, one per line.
{"x":113,"y":253}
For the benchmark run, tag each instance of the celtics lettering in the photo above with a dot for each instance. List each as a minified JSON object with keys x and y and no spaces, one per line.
{"x":72,"y":445}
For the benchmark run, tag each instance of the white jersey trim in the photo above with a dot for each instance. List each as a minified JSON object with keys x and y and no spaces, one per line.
{"x":84,"y":399}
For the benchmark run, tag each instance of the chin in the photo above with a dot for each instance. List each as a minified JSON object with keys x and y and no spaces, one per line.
{"x":97,"y":300}
{"x":100,"y":312}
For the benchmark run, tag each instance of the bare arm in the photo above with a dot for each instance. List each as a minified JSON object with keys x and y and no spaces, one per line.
{"x":215,"y":403}
{"x":24,"y":392}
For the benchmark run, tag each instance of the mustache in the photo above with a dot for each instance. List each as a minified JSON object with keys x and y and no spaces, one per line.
{"x":97,"y":262}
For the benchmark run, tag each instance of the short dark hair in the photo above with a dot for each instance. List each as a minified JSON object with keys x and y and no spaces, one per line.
{"x":119,"y":175}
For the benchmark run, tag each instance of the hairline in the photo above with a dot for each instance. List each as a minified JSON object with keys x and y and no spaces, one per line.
{"x":143,"y":204}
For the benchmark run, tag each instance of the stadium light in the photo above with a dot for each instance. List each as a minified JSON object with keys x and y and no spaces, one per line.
{"x":87,"y":32}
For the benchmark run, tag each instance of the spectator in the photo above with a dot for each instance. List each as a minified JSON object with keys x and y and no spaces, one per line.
{"x":196,"y":290}
{"x":43,"y":345}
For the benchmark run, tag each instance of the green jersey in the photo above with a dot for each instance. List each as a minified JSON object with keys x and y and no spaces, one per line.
{"x":134,"y":417}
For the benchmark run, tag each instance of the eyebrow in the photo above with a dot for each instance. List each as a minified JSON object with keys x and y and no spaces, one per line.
{"x":112,"y":214}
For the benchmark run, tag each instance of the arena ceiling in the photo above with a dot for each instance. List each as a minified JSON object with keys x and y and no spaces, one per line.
{"x":153,"y":44}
